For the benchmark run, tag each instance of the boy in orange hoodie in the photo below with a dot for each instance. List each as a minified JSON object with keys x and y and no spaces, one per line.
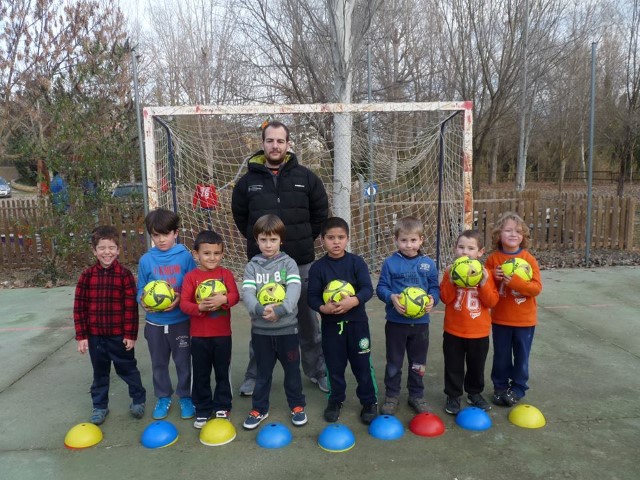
{"x":515,"y":315}
{"x":467,"y":325}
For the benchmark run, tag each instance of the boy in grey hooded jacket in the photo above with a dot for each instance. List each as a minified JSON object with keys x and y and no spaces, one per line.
{"x":274,"y":326}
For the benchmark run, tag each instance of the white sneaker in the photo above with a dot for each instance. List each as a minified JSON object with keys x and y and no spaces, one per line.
{"x":200,"y":422}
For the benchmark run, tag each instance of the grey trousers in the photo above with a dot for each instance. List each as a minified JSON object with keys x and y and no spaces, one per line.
{"x":165,"y":342}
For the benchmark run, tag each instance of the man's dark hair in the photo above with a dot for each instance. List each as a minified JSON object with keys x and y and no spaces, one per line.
{"x":274,"y":124}
{"x":207,"y":236}
{"x":162,"y":221}
{"x":334,"y":222}
{"x":104,"y":232}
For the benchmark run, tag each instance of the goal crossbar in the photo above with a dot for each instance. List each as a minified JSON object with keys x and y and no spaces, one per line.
{"x":177,"y":149}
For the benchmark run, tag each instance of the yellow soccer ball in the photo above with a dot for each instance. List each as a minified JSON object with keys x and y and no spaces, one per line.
{"x":208,"y":288}
{"x":518,"y":266}
{"x":158,"y":295}
{"x":271,"y":292}
{"x":466,"y":272}
{"x":415,"y":301}
{"x":336,"y":290}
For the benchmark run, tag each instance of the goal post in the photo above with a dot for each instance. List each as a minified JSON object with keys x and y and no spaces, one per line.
{"x":378,"y":162}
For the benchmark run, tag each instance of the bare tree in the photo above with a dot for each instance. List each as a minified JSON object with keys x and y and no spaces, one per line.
{"x":45,"y":44}
{"x":312,"y":51}
{"x":630,"y":100}
{"x":188,"y":52}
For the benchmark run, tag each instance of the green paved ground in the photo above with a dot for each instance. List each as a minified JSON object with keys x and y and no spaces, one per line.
{"x":584,"y":378}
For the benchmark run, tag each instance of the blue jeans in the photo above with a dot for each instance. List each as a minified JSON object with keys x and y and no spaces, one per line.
{"x":511,"y":349}
{"x":106,"y":349}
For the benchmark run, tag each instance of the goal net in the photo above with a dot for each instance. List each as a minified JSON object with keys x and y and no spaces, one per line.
{"x":378,"y":162}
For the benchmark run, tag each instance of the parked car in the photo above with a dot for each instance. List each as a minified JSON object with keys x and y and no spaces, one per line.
{"x":5,"y":188}
{"x":127,"y":190}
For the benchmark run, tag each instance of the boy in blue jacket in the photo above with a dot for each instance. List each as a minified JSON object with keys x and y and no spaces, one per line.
{"x":345,"y":325}
{"x":407,"y":267}
{"x":167,"y":332}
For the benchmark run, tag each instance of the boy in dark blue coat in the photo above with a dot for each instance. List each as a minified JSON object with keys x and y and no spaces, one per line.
{"x":345,"y":325}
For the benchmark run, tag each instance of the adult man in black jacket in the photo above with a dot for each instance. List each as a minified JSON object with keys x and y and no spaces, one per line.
{"x":276,"y":183}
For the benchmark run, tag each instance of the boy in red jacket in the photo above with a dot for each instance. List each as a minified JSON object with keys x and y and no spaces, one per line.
{"x":210,"y":329}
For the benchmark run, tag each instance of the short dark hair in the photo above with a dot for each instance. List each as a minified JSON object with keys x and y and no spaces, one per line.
{"x":274,"y":124}
{"x":207,"y":236}
{"x":334,"y":222}
{"x":104,"y":232}
{"x":475,"y":234}
{"x":162,"y":220}
{"x":269,"y":224}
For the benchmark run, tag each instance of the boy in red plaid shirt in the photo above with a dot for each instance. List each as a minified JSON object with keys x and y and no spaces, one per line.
{"x":105,"y":313}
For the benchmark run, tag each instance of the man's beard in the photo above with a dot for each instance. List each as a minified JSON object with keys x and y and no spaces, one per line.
{"x":275,"y":161}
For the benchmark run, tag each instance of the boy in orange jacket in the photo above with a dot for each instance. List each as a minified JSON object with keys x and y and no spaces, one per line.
{"x":515,"y":316}
{"x":467,"y":325}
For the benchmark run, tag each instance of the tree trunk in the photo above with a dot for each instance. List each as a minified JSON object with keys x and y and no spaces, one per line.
{"x":493,"y":162}
{"x":341,"y":17}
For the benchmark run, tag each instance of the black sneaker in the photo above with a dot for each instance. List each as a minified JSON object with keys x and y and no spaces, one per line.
{"x":332,"y":412}
{"x":368,"y":413}
{"x":453,"y":405}
{"x":477,"y":400}
{"x":510,"y":398}
{"x":505,"y":398}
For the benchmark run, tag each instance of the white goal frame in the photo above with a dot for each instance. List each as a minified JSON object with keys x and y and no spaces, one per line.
{"x":464,"y":108}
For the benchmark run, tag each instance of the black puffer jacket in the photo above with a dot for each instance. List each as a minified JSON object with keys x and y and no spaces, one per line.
{"x":296,"y":195}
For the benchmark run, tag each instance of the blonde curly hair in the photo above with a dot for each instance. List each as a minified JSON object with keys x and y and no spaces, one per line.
{"x":497,"y":230}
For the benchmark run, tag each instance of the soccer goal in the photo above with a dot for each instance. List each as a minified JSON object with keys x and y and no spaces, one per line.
{"x":379,"y":162}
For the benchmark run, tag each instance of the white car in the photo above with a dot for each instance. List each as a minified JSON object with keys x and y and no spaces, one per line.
{"x":5,"y":188}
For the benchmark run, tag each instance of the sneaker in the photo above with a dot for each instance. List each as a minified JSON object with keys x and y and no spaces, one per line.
{"x":453,"y":405}
{"x":419,"y":405}
{"x":510,"y":398}
{"x":505,"y":398}
{"x":200,"y":422}
{"x":389,"y":406}
{"x":254,"y":419}
{"x":332,"y":412}
{"x":298,"y":417}
{"x":187,"y":410}
{"x":321,"y":382}
{"x":477,"y":400}
{"x":246,"y":389}
{"x":496,"y":398}
{"x":162,"y":408}
{"x":226,"y":414}
{"x":368,"y":413}
{"x":98,"y":415}
{"x":137,"y":410}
